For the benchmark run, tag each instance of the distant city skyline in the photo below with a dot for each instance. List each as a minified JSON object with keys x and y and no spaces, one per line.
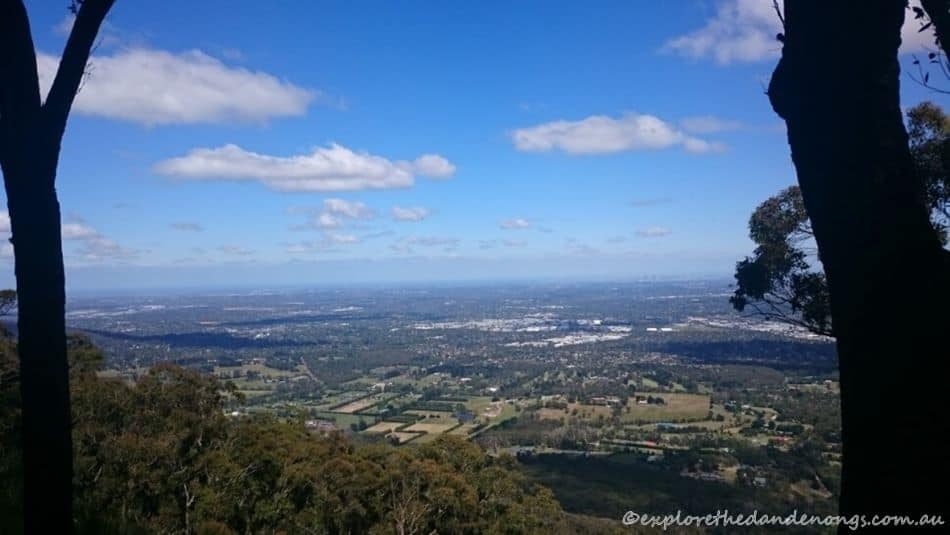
{"x":240,"y":144}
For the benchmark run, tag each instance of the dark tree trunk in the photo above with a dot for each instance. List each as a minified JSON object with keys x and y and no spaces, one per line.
{"x":47,"y":444}
{"x":837,"y":88}
{"x":30,"y":136}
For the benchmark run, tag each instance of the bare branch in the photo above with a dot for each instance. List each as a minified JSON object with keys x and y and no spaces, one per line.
{"x":923,"y":78}
{"x":778,"y":11}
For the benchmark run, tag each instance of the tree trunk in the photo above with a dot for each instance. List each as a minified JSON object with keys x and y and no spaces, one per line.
{"x":30,"y":135}
{"x":837,"y":88}
{"x":44,"y":369}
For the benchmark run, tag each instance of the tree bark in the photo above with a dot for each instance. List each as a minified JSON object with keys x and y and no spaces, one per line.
{"x":44,"y":383}
{"x":30,"y":137}
{"x":837,"y":88}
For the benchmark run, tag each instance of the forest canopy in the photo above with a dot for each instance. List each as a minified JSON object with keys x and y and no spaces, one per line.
{"x":161,"y":456}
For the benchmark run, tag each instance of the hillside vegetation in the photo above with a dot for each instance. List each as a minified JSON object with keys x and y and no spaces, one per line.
{"x":161,"y":456}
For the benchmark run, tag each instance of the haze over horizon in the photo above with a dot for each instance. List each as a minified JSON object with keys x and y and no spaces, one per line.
{"x":416,"y":144}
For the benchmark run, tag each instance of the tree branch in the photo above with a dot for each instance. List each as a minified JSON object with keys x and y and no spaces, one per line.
{"x":778,"y":11}
{"x":939,"y":13}
{"x":790,"y":320}
{"x":19,"y":83}
{"x":73,"y":64}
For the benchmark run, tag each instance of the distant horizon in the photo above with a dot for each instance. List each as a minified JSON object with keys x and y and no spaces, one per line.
{"x":250,"y":288}
{"x":387,"y":271}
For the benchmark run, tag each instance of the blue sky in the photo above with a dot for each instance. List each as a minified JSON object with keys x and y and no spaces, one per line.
{"x":298,"y":143}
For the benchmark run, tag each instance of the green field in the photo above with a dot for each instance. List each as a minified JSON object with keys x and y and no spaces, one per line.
{"x":488,"y":411}
{"x":264,"y":371}
{"x":433,"y":423}
{"x":463,"y":430}
{"x":431,"y":414}
{"x":363,"y":403}
{"x":342,"y":420}
{"x":677,"y":408}
{"x":384,"y":427}
{"x":583,"y":412}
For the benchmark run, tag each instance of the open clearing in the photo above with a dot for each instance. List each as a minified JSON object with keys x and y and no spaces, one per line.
{"x":463,"y":430}
{"x":576,"y":411}
{"x":360,"y":404}
{"x":676,"y":408}
{"x":433,"y":423}
{"x":485,"y":409}
{"x":439,"y":415}
{"x":431,"y":427}
{"x":384,"y":427}
{"x":341,"y":420}
{"x":548,"y":413}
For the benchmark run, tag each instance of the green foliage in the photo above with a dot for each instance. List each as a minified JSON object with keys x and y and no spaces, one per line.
{"x":161,"y":456}
{"x":929,"y":130}
{"x":782,"y":279}
{"x":11,"y":459}
{"x":7,"y":301}
{"x":779,"y":280}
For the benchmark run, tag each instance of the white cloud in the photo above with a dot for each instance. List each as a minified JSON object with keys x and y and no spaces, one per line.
{"x":327,"y":220}
{"x":414,"y":213}
{"x":741,"y":30}
{"x":600,"y":134}
{"x":745,"y":30}
{"x":433,"y":166}
{"x":700,"y":146}
{"x":653,"y":232}
{"x":156,"y":87}
{"x":351,"y":209}
{"x":333,"y":168}
{"x":6,"y":248}
{"x":515,"y":224}
{"x":92,"y":246}
{"x":912,"y":39}
{"x":98,"y":248}
{"x":707,"y":124}
{"x":78,"y":231}
{"x":333,"y":214}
